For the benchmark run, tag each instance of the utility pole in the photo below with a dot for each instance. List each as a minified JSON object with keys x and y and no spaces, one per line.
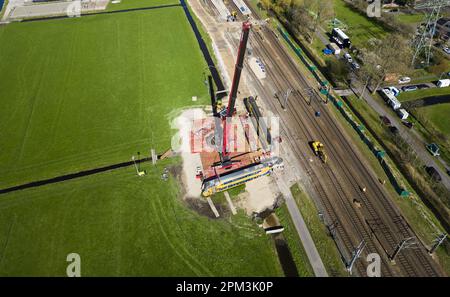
{"x":438,"y":241}
{"x":405,"y":243}
{"x":286,"y":97}
{"x":328,"y":93}
{"x":356,"y":253}
{"x":361,"y":94}
{"x":154,"y":156}
{"x":138,"y":172}
{"x":135,"y":164}
{"x":332,"y":228}
{"x":310,"y":94}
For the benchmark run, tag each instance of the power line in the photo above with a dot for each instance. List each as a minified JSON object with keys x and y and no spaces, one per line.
{"x":423,"y":41}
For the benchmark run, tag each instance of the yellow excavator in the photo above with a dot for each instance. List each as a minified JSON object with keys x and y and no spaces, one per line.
{"x":319,"y":150}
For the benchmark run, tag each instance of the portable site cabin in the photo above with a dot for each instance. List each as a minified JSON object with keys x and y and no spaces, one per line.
{"x":402,"y":113}
{"x":243,"y":8}
{"x":390,"y":99}
{"x":443,"y":83}
{"x":335,"y":48}
{"x":341,"y":39}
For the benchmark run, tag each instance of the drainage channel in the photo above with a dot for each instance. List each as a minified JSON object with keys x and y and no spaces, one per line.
{"x":205,"y":51}
{"x":285,"y":256}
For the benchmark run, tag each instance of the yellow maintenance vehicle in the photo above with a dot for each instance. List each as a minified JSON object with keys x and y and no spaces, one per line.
{"x":319,"y":150}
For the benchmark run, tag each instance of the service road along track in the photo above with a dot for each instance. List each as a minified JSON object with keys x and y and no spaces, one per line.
{"x":352,"y":215}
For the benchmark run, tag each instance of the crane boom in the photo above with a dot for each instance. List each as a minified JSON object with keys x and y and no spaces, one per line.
{"x":246,"y":26}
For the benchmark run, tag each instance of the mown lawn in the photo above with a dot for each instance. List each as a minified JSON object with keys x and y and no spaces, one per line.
{"x":412,"y":19}
{"x":124,"y":225}
{"x":439,"y":115}
{"x":132,"y":4}
{"x":359,"y":27}
{"x":87,"y":92}
{"x":324,"y":243}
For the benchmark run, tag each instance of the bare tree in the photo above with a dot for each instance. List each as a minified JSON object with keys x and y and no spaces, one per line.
{"x":390,"y":55}
{"x":300,"y":20}
{"x":324,"y":10}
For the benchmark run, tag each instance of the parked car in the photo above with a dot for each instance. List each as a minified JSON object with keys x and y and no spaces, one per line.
{"x":394,"y":90}
{"x":408,"y":124}
{"x":433,"y":173}
{"x":433,"y":148}
{"x":404,"y":80}
{"x":446,"y":50}
{"x":410,"y":88}
{"x":355,"y":66}
{"x":348,"y":57}
{"x":385,"y":120}
{"x":394,"y":129}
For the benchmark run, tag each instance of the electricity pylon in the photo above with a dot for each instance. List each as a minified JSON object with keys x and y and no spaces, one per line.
{"x":423,"y":41}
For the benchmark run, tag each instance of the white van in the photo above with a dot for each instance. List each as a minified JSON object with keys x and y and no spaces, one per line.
{"x":443,"y":83}
{"x":402,"y":113}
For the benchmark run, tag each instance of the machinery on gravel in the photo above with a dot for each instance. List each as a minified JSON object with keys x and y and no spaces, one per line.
{"x":319,"y":150}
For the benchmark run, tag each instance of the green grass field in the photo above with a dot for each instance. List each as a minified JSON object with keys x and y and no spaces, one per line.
{"x":87,"y":92}
{"x":439,"y":115}
{"x":132,"y":4}
{"x":360,"y":27}
{"x":82,"y":93}
{"x":121,"y":224}
{"x":324,"y":243}
{"x":412,"y":19}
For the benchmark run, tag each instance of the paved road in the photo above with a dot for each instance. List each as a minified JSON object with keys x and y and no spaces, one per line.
{"x":410,"y":136}
{"x":302,"y":229}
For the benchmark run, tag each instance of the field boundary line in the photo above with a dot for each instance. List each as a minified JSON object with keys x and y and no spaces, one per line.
{"x":70,"y":176}
{"x":102,"y":12}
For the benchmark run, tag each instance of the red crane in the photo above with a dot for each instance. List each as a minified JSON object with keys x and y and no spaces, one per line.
{"x":225,"y":155}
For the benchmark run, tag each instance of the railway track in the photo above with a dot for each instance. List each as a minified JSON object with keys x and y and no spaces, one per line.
{"x":330,"y":181}
{"x":342,"y":237}
{"x":379,"y":205}
{"x":413,"y":262}
{"x":379,"y":222}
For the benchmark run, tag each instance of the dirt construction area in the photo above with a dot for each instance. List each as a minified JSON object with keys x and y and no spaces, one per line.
{"x":260,"y":193}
